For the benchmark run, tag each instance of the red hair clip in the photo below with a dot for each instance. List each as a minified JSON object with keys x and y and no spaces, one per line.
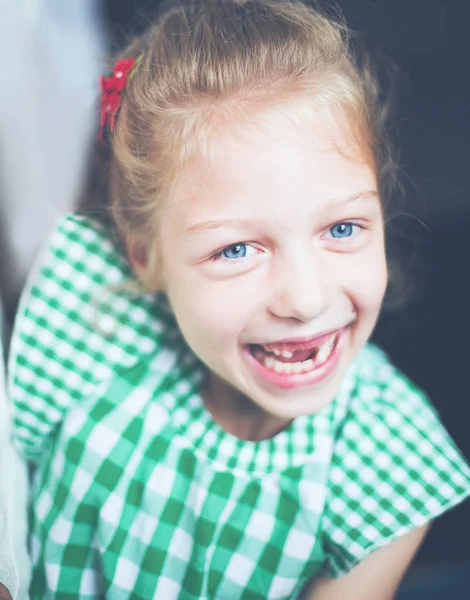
{"x":111,"y":95}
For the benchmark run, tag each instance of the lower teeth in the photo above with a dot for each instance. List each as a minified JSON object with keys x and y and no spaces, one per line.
{"x":288,"y":368}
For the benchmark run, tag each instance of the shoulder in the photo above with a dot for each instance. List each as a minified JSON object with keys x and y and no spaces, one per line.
{"x":373,"y":369}
{"x":380,"y":388}
{"x":394,"y":466}
{"x":386,"y":407}
{"x":78,"y":325}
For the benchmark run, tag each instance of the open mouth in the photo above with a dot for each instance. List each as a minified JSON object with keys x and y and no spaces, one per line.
{"x":295,"y":359}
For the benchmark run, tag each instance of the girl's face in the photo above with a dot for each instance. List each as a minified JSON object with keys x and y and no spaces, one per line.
{"x":274,"y":263}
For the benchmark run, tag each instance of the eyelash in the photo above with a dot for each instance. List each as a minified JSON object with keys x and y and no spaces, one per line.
{"x":352,"y":224}
{"x":218,"y":256}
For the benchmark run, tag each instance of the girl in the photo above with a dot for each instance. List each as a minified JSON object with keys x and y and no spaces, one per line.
{"x":230,"y":434}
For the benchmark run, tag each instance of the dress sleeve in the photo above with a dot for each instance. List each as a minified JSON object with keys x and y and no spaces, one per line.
{"x":64,"y":552}
{"x":394,"y":469}
{"x":82,"y":492}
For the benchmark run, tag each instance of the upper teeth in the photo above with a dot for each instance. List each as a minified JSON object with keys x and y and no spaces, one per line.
{"x":324,"y":351}
{"x":323,"y":354}
{"x":322,"y":348}
{"x":284,"y":353}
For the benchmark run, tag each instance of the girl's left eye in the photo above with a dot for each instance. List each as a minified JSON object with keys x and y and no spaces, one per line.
{"x":234,"y":252}
{"x":343,"y":230}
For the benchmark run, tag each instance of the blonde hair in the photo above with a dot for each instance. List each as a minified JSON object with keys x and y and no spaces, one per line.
{"x":207,"y":62}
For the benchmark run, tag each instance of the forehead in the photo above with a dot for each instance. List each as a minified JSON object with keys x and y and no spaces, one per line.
{"x":282,"y":160}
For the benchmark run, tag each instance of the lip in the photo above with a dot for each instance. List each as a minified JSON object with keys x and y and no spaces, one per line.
{"x":288,"y":382}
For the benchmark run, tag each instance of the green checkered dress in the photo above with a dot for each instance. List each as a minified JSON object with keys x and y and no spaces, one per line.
{"x":139,"y":494}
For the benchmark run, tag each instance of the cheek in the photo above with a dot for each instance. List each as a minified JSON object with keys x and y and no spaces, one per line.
{"x":367,"y":281}
{"x":210,"y":314}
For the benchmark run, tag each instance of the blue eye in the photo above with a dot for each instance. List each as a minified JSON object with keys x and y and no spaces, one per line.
{"x":235,"y":251}
{"x":342,"y":230}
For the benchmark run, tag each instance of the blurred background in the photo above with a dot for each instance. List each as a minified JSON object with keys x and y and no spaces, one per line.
{"x":53,"y":52}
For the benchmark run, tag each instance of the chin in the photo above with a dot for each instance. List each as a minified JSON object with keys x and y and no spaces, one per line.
{"x":289,"y":407}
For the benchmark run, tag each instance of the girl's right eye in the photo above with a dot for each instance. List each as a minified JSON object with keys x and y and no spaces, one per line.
{"x":234,"y":252}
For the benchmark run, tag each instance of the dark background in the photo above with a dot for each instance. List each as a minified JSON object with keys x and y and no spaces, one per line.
{"x":428,"y":42}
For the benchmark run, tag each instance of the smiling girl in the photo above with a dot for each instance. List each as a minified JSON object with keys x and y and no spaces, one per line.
{"x":229,"y":433}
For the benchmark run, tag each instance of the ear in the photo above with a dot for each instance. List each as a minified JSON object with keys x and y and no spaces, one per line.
{"x":138,"y":256}
{"x":143,"y":260}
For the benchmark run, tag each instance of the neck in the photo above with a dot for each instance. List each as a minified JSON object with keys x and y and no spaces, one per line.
{"x":237,"y":414}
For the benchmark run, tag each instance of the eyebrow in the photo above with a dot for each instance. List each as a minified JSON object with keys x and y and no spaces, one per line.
{"x":218,"y":224}
{"x":363,"y":195}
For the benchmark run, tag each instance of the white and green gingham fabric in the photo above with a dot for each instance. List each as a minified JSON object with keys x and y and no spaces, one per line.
{"x":139,"y":494}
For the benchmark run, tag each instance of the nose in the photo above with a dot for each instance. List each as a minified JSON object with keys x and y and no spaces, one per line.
{"x":301,"y":288}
